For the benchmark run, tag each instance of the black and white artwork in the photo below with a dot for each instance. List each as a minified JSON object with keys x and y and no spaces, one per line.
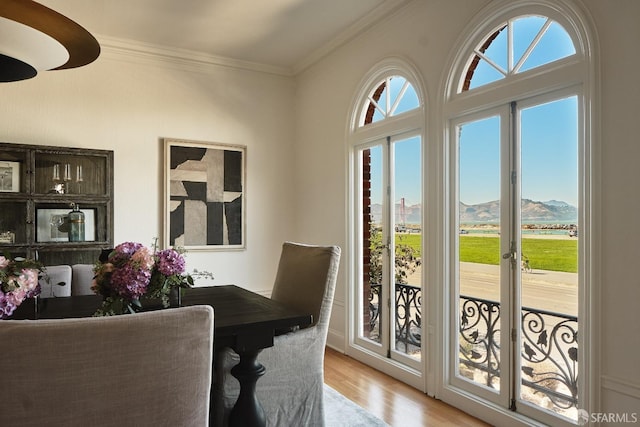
{"x":204,"y":195}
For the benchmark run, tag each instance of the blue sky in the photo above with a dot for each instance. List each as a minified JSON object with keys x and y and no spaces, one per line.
{"x":548,"y":155}
{"x":407,"y":172}
{"x":548,"y":133}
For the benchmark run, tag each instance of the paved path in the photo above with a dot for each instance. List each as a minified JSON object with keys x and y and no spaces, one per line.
{"x":544,"y":290}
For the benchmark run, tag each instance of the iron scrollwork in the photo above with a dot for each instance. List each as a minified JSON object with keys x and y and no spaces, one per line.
{"x":408,"y":316}
{"x":480,"y":336}
{"x":550,"y":355}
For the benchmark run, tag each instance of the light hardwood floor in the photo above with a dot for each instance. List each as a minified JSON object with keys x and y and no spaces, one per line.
{"x":390,"y":400}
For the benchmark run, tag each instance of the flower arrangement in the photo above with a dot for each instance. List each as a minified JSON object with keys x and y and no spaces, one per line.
{"x":18,"y":281}
{"x":133,"y":271}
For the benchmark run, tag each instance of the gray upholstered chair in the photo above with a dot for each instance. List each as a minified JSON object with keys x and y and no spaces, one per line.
{"x":291,"y":391}
{"x":82,"y":278}
{"x":56,"y":282}
{"x":147,"y":369}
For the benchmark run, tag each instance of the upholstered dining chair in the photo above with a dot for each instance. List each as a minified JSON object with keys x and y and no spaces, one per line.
{"x":146,"y":369}
{"x":82,"y":278}
{"x":56,"y":282}
{"x":291,"y":391}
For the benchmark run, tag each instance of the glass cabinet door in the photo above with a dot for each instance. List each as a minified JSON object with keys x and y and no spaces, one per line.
{"x":13,"y":171}
{"x":53,"y":222}
{"x":61,"y":173}
{"x":13,"y":222}
{"x":14,"y":228}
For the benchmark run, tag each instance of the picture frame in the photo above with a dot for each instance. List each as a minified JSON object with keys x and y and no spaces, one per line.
{"x":9,"y":176}
{"x":50,"y":225}
{"x":204,"y":195}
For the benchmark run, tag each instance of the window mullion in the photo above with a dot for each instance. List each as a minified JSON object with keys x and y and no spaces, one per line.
{"x":515,"y":244}
{"x":377,"y":107}
{"x":388,"y":97}
{"x":405,"y":86}
{"x":532,"y":46}
{"x":492,"y":63}
{"x":510,"y":47}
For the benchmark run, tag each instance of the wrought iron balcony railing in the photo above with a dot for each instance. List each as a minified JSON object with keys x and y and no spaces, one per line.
{"x":549,"y":345}
{"x":408,"y":303}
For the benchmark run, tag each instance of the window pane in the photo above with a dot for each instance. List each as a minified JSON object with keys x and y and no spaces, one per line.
{"x":525,"y":31}
{"x":393,"y":96}
{"x":371,"y":243}
{"x":381,"y":101}
{"x":484,"y":74}
{"x":549,"y":256}
{"x":395,"y":84}
{"x":497,"y":50}
{"x":555,"y":44}
{"x":479,"y":252}
{"x":408,"y":100}
{"x":407,"y":192}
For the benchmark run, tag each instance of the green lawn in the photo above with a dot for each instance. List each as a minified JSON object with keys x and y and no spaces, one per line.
{"x":412,"y":240}
{"x":543,"y":254}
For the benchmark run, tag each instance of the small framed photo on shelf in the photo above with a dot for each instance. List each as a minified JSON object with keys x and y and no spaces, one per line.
{"x":9,"y":176}
{"x":7,"y":237}
{"x":52,"y":225}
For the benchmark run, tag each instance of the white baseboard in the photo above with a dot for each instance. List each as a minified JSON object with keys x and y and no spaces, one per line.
{"x":336,"y":340}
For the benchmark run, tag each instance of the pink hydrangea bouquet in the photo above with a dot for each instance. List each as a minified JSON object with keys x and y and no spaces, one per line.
{"x":133,"y":272}
{"x":18,"y":281}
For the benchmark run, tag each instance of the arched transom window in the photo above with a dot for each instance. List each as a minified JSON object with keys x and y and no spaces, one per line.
{"x":390,"y":97}
{"x":516,"y":46}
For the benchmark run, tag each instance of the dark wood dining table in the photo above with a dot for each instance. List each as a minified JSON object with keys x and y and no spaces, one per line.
{"x":244,"y":321}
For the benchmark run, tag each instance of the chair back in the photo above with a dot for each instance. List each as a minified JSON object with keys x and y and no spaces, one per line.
{"x":306,"y":278}
{"x":57,"y":283}
{"x":150,"y":368}
{"x":82,"y":278}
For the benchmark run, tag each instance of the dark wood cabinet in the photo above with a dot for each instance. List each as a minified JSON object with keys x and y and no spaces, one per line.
{"x":39,"y":187}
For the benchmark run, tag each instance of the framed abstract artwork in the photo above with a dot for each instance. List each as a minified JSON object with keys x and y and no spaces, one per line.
{"x":204,"y":190}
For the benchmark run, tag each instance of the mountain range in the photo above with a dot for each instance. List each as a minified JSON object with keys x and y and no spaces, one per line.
{"x":488,"y":212}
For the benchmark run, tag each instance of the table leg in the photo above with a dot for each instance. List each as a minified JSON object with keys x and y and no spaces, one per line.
{"x":247,"y":412}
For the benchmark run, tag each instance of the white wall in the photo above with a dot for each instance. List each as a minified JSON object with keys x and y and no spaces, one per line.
{"x":127,"y":105}
{"x":620,"y":148}
{"x":424,"y":33}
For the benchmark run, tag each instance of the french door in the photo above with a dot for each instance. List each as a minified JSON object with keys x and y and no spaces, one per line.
{"x":516,"y":256}
{"x":389,"y":248}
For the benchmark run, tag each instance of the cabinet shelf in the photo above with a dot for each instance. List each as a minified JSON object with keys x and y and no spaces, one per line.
{"x":39,"y":186}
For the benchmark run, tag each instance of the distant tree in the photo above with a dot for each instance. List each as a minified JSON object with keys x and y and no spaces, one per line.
{"x":406,"y":259}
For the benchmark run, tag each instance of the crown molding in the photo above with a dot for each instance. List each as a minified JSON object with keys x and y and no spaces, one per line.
{"x":140,"y":52}
{"x":190,"y":60}
{"x":382,"y":11}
